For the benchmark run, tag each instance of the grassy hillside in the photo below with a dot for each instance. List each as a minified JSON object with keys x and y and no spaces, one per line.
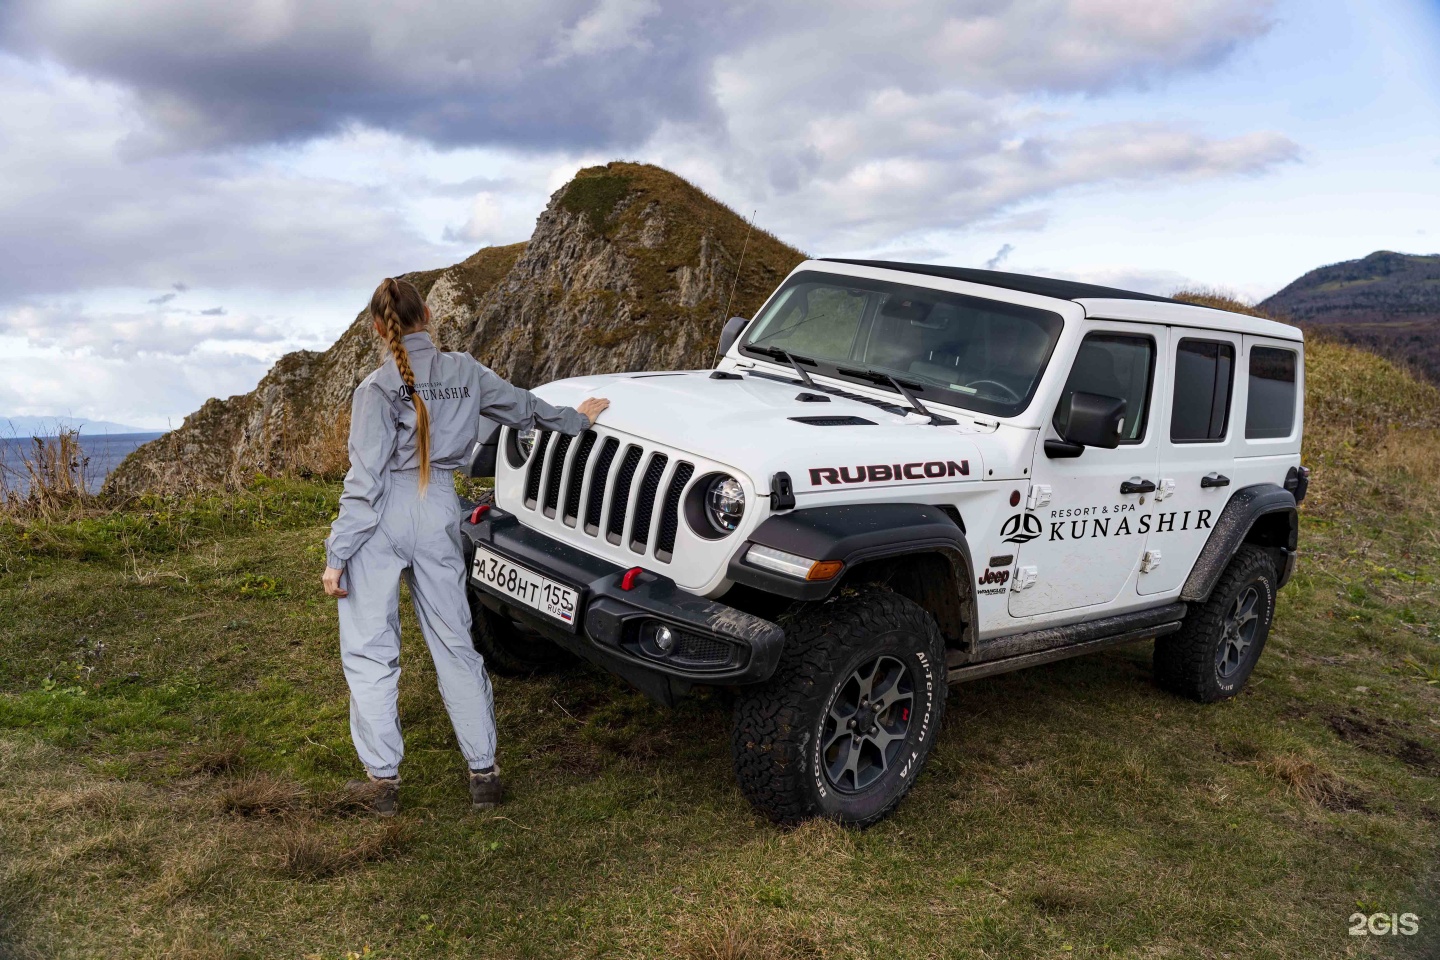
{"x":1387,"y":302}
{"x":173,"y":743}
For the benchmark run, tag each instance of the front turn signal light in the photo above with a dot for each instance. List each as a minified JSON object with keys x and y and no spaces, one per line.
{"x":791,"y":564}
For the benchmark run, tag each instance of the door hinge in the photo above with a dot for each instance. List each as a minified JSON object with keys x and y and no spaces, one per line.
{"x":1039,"y":496}
{"x":1165,"y":489}
{"x":1150,"y":561}
{"x":1024,"y":579}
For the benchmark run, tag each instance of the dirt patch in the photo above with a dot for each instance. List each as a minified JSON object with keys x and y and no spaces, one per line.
{"x":1385,"y":737}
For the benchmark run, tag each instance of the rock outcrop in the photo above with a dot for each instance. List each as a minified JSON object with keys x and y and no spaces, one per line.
{"x":629,"y":268}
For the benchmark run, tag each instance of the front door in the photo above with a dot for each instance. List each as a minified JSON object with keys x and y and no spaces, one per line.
{"x":1080,"y":535}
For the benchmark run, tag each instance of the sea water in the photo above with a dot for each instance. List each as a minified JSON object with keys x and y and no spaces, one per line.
{"x":104,"y":450}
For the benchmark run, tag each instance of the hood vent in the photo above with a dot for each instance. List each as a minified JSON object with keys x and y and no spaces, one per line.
{"x":835,"y":421}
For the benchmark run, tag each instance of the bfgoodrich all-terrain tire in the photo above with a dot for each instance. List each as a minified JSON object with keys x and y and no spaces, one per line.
{"x":1214,"y":653}
{"x":843,"y":728}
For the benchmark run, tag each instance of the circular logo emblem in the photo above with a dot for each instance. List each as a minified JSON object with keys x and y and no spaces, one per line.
{"x":1021,"y":528}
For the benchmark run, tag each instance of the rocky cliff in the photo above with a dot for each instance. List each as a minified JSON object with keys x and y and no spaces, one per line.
{"x":629,"y":268}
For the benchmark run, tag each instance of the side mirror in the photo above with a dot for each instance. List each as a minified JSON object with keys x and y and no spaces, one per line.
{"x":483,"y":450}
{"x":1091,"y":420}
{"x":733,"y":328}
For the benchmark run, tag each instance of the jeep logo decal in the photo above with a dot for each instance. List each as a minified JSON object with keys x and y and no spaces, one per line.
{"x":993,"y":576}
{"x":1021,"y":528}
{"x":888,"y":472}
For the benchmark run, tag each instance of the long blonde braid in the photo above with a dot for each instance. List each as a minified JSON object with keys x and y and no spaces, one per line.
{"x":401,"y":310}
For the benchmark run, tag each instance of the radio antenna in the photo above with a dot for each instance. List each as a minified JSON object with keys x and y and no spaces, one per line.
{"x":738,"y":266}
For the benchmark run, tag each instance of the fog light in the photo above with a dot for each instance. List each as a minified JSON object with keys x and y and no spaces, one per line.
{"x":664,"y":639}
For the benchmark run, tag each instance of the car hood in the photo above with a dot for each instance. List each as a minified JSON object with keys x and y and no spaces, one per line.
{"x":752,"y":425}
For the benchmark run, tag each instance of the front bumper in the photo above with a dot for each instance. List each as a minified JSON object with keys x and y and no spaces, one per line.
{"x":716,"y":643}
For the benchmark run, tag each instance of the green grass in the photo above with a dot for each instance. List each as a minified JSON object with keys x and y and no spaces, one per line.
{"x":174,"y":744}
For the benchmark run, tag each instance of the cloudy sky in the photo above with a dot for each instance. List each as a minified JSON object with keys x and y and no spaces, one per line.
{"x":189,"y":190}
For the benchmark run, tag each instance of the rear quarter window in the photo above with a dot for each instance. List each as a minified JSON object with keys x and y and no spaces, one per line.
{"x":1270,"y":411}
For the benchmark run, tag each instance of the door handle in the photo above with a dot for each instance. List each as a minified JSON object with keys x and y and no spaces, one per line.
{"x":1144,"y":486}
{"x":1214,"y":480}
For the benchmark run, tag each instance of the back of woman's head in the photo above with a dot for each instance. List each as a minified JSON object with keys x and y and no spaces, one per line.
{"x":399,"y":309}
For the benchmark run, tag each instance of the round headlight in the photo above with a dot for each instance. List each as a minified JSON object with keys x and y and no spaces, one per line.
{"x":725,"y":503}
{"x":525,"y":441}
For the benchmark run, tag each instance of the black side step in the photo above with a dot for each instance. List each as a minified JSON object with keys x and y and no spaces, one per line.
{"x":1020,"y":650}
{"x":990,"y":668}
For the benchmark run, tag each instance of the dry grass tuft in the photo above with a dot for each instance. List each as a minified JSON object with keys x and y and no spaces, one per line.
{"x":1307,"y":780}
{"x":261,"y":795}
{"x":103,"y":800}
{"x":1054,"y":899}
{"x":353,"y":800}
{"x":748,"y":938}
{"x":55,"y":470}
{"x":211,"y":761}
{"x":307,"y":853}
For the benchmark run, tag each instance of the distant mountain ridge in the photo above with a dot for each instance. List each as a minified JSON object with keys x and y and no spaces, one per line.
{"x":629,"y":268}
{"x":1386,"y":302}
{"x":12,"y":427}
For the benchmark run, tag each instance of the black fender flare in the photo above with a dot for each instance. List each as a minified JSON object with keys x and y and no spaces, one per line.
{"x":854,"y":534}
{"x":1232,"y":527}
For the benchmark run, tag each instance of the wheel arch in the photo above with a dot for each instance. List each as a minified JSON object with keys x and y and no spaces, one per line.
{"x":1263,"y":514}
{"x":917,"y":550}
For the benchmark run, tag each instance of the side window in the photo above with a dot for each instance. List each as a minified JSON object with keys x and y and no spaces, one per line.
{"x":1204,"y":376}
{"x":1114,"y":365}
{"x":1270,"y":412}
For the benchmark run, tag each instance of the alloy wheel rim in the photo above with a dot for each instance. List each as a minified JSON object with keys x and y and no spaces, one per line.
{"x":1238,"y":630}
{"x":866,"y":724}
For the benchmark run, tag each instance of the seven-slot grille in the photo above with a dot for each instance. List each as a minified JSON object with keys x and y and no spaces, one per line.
{"x":575,"y":479}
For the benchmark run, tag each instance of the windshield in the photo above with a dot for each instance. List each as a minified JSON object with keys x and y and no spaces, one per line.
{"x":984,"y":355}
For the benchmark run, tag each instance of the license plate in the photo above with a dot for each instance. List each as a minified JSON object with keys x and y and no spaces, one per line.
{"x":539,"y":593}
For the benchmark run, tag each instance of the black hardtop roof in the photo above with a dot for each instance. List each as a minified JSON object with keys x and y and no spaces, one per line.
{"x":1040,"y":286}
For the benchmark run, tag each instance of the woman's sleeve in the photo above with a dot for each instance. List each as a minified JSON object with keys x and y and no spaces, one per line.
{"x":502,"y":401}
{"x":372,"y":444}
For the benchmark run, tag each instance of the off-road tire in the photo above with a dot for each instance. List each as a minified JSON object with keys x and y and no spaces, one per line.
{"x":508,"y":649}
{"x":777,"y":738}
{"x":1187,"y":662}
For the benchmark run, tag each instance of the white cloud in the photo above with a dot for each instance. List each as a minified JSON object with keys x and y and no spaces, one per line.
{"x":266,"y":149}
{"x":149,"y":391}
{"x":79,"y":208}
{"x":171,"y":333}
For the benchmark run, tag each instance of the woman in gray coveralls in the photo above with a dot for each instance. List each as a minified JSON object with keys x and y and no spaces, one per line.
{"x":411,"y":425}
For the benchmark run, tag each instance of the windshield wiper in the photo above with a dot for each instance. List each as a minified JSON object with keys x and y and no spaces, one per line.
{"x":902,"y":387}
{"x":790,"y":358}
{"x":784,"y":330}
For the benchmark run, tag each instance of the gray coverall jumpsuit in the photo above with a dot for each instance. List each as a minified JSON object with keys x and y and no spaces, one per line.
{"x":385,"y":528}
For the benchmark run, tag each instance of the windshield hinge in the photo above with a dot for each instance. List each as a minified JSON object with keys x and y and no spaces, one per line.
{"x":782,"y":492}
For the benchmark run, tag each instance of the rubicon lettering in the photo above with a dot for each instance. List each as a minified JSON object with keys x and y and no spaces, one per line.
{"x":890,"y":472}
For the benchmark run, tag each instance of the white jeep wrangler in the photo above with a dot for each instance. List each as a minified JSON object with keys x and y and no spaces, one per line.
{"x":897,"y":478}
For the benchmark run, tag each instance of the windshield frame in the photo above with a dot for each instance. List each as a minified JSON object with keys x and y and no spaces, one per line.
{"x":926,"y":389}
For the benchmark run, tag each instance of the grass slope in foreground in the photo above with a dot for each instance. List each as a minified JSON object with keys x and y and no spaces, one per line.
{"x":173,"y":741}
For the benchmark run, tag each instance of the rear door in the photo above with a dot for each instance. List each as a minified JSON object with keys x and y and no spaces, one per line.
{"x":1080,"y":536}
{"x":1199,"y":433}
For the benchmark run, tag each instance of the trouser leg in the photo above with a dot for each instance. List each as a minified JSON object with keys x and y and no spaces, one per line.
{"x":437,"y":587}
{"x":370,"y":652}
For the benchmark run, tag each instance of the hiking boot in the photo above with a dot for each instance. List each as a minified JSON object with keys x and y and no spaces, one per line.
{"x":381,"y":795}
{"x":484,"y":788}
